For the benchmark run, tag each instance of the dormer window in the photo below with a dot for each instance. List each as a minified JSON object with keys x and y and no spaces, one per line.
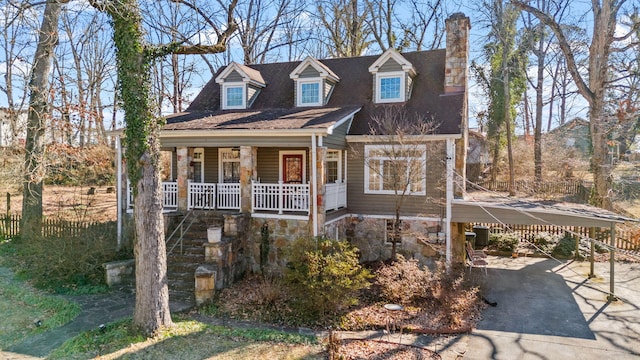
{"x":393,"y":77}
{"x":233,"y":96}
{"x":314,"y":83}
{"x":239,"y":86}
{"x":309,"y":93}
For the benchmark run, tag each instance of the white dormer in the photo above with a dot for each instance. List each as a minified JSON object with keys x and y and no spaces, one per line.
{"x":239,"y":86}
{"x":392,"y":77}
{"x":313,"y":82}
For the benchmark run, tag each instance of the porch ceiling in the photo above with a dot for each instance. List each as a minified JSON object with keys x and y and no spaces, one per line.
{"x":533,"y":213}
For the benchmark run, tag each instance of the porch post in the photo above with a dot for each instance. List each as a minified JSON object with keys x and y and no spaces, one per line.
{"x":182,"y":177}
{"x":248,"y":173}
{"x":120,"y":193}
{"x":451,"y":152}
{"x":319,"y":188}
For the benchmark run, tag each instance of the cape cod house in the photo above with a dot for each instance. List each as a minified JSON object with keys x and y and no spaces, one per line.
{"x":291,"y":145}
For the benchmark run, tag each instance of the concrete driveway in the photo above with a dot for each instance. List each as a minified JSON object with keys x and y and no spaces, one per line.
{"x":549,"y":310}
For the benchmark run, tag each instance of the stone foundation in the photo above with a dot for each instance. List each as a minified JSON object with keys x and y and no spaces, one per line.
{"x":228,"y":257}
{"x":419,"y":238}
{"x":282,"y":232}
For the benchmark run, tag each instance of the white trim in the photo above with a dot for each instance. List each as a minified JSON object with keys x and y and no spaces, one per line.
{"x":279,"y":216}
{"x":227,"y":86}
{"x":293,"y":152}
{"x":199,"y":150}
{"x":384,"y":217}
{"x":119,"y":193}
{"x":299,"y":84}
{"x":238,"y":68}
{"x":221,"y":162}
{"x":407,"y":139}
{"x":387,"y":75}
{"x":318,"y":66}
{"x":451,"y":151}
{"x":397,"y":57}
{"x":314,"y":179}
{"x":339,"y":161}
{"x":409,"y":191}
{"x":341,"y":121}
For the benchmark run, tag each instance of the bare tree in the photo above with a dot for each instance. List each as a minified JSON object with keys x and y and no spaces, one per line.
{"x":17,"y":26}
{"x":344,"y":23}
{"x":404,"y":146}
{"x":593,"y":86}
{"x":31,"y":227}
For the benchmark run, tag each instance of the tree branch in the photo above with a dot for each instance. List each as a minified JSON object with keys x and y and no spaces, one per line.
{"x":564,"y":46}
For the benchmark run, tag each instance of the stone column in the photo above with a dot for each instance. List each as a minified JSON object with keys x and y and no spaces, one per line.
{"x":182,"y":176}
{"x":248,"y":172}
{"x":319,"y":188}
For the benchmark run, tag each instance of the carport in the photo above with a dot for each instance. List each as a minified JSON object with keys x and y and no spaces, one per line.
{"x":512,"y":212}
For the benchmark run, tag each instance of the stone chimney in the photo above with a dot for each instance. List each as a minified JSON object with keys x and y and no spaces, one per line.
{"x":457,"y":26}
{"x":455,"y":82}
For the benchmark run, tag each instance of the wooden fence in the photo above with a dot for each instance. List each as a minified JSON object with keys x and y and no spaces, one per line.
{"x":578,"y":188}
{"x":10,"y":227}
{"x":625,"y":239}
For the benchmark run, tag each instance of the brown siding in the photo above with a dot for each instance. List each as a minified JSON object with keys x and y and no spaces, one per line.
{"x":269,"y":164}
{"x":337,"y":139}
{"x":429,"y":205}
{"x":210,"y":165}
{"x":252,"y":93}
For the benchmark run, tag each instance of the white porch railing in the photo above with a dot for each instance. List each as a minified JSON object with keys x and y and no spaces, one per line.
{"x":280,"y":197}
{"x":201,"y":196}
{"x":169,"y":195}
{"x":335,"y":196}
{"x":228,"y":196}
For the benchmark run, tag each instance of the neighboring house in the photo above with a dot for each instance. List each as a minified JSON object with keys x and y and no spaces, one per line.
{"x":572,"y":135}
{"x":11,"y":135}
{"x":288,"y":145}
{"x":477,"y":156}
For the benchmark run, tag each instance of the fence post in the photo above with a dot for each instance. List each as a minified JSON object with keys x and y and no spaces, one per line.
{"x":592,"y":236}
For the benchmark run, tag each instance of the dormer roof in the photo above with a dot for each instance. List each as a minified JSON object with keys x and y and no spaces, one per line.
{"x":248,"y":74}
{"x":392,"y":54}
{"x":324,"y":71}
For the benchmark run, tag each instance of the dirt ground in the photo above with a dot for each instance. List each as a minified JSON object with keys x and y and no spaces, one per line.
{"x":68,"y":202}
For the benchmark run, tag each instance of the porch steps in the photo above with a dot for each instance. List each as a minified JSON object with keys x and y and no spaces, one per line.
{"x":181,"y":266}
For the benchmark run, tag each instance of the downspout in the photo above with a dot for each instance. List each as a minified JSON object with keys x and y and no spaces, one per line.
{"x":451,"y":148}
{"x":314,"y":181}
{"x":118,"y":193}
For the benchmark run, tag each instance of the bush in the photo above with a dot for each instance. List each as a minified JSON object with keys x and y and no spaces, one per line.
{"x":67,"y":263}
{"x":565,"y":248}
{"x":324,"y":277}
{"x":545,"y":241}
{"x":403,"y":282}
{"x":504,"y":241}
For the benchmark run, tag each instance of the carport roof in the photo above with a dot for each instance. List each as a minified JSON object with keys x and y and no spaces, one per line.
{"x":514,"y":211}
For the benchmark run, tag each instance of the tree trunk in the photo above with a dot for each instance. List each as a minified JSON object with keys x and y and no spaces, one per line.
{"x":143,"y":163}
{"x":31,"y":227}
{"x":537,"y":147}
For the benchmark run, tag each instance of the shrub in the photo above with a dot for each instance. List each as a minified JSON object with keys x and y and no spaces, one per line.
{"x":324,"y":277}
{"x":403,"y":282}
{"x":504,"y":241}
{"x":545,"y":241}
{"x":565,"y":248}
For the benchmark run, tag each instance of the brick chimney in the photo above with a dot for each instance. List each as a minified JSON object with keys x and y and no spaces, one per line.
{"x":457,"y":26}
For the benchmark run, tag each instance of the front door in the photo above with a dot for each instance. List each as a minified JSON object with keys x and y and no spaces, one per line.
{"x":292,"y":168}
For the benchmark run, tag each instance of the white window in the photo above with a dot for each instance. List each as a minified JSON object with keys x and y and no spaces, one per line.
{"x":390,"y":87}
{"x":309,"y":93}
{"x":392,"y":168}
{"x":334,"y":167}
{"x":197,"y":163}
{"x":229,"y":160}
{"x":233,"y":96}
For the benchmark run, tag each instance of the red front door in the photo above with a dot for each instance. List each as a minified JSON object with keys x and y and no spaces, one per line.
{"x":292,"y":169}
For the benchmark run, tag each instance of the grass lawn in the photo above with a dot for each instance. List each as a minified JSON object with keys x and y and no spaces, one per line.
{"x":22,"y":306}
{"x":189,"y":339}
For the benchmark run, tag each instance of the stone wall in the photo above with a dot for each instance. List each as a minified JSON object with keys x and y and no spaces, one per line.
{"x":228,"y":256}
{"x":419,"y":240}
{"x":282,"y":232}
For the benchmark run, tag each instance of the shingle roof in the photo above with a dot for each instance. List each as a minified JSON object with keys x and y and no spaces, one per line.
{"x":355,"y":90}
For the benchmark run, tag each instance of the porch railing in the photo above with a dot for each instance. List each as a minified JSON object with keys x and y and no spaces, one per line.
{"x":228,"y":196}
{"x":201,"y":196}
{"x":280,"y":197}
{"x":169,"y":195}
{"x":335,"y":196}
